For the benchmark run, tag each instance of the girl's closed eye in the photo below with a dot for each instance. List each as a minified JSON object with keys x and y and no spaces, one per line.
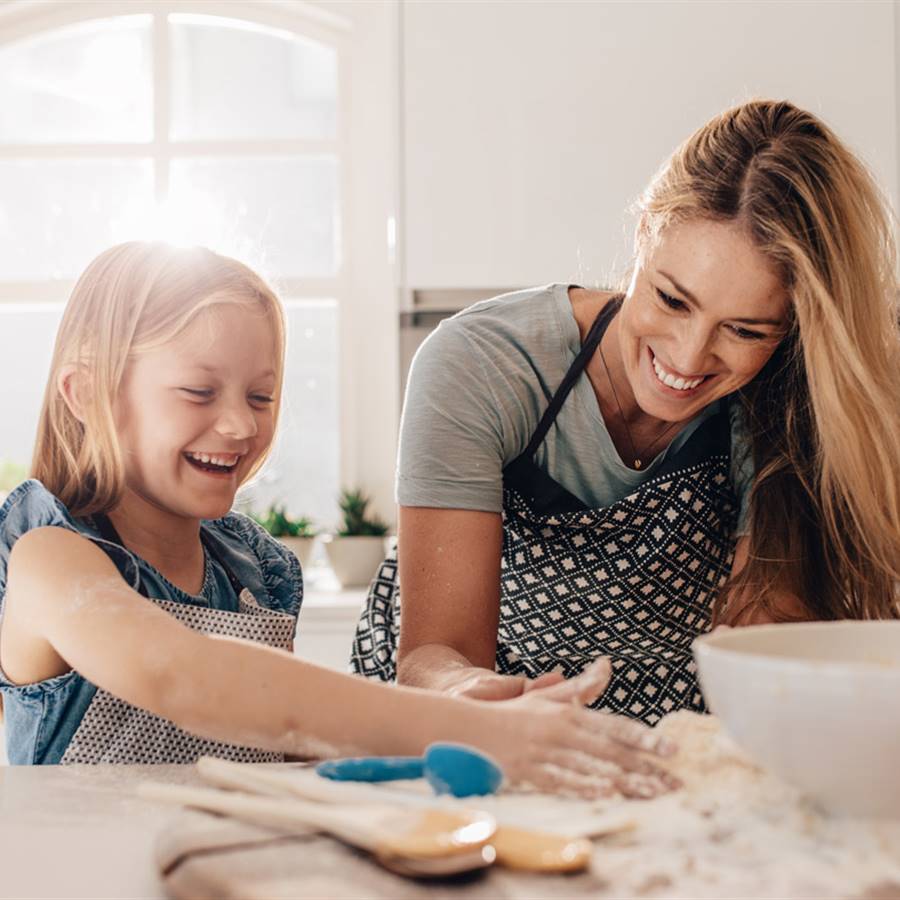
{"x":262,"y":399}
{"x":202,"y":393}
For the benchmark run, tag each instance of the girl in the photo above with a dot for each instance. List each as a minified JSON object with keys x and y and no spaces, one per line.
{"x":619,"y":470}
{"x":143,"y":622}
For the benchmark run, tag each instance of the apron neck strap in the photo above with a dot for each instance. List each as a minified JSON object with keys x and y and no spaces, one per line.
{"x":590,"y":345}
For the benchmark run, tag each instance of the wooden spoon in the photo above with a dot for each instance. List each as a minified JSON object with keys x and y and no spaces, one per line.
{"x":516,"y":848}
{"x":420,"y":842}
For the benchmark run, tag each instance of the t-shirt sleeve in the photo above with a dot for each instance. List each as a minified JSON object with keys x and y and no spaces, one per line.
{"x":451,"y":452}
{"x":743,"y":473}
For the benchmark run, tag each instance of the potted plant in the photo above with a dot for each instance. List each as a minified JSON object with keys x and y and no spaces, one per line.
{"x":356,"y":550}
{"x":298,"y":535}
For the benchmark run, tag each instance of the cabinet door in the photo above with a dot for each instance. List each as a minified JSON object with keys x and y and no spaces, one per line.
{"x":529,"y":127}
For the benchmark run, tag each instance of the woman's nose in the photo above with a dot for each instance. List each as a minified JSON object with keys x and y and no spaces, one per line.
{"x":692,"y":353}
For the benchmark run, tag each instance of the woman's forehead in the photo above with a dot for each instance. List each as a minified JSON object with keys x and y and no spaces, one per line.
{"x":715,"y":263}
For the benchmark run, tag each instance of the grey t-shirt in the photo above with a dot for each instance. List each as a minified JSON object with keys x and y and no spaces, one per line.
{"x":477,"y":389}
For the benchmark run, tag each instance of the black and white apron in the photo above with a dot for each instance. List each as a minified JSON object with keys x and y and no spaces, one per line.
{"x":113,"y":731}
{"x":633,"y":581}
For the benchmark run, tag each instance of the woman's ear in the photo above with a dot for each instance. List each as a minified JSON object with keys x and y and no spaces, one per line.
{"x":71,"y":383}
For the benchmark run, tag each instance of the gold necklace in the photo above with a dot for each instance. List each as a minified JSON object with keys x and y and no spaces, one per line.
{"x":637,"y":456}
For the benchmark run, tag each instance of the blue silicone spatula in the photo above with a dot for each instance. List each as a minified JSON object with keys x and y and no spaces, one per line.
{"x":449,"y":769}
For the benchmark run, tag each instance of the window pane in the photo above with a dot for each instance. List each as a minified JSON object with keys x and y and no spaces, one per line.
{"x":27,"y":332}
{"x":280,"y":212}
{"x":233,"y":79}
{"x":303,"y":470}
{"x":55,"y":216}
{"x":87,"y":82}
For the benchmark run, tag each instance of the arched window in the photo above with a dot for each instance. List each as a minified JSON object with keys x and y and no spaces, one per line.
{"x":199,"y":123}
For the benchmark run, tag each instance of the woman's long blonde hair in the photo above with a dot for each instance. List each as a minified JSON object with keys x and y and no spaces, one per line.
{"x":824,"y":414}
{"x":131,"y":298}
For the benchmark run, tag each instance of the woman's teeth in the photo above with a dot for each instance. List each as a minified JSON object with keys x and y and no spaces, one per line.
{"x":680,"y":384}
{"x":225,"y":462}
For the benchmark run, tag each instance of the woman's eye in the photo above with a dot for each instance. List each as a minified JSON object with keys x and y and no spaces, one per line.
{"x":670,"y":301}
{"x":261,"y":398}
{"x":745,"y":334}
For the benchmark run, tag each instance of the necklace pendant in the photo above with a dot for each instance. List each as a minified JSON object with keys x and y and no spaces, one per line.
{"x":637,"y":463}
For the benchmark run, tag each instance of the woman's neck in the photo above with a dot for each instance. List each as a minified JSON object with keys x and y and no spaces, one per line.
{"x":585,"y":307}
{"x":169,"y":542}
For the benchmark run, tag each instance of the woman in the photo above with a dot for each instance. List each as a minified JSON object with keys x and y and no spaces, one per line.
{"x":585,"y":474}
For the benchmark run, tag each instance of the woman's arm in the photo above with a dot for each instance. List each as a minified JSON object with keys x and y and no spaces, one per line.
{"x":85,"y":617}
{"x":450,"y":584}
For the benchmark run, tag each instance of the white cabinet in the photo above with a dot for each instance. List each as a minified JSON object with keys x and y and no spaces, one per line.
{"x":529,"y":127}
{"x":326,"y":627}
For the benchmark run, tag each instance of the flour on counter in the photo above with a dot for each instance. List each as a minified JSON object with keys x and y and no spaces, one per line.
{"x":735,"y":831}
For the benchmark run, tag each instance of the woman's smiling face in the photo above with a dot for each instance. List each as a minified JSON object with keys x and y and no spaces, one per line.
{"x":704,"y":312}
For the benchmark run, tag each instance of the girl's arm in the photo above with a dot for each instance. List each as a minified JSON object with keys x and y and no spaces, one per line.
{"x":66,"y":604}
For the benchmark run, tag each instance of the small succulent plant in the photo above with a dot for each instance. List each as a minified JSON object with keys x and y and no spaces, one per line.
{"x":355,"y":522}
{"x":279,"y":524}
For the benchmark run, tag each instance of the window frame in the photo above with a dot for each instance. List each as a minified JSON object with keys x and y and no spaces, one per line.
{"x":370,"y":466}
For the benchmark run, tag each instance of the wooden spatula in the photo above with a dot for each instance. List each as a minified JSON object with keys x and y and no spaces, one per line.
{"x":420,"y":842}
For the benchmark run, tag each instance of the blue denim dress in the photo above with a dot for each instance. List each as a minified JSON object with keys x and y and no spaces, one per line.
{"x":68,"y":719}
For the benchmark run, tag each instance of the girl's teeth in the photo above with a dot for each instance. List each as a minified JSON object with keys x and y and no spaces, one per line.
{"x":207,"y":459}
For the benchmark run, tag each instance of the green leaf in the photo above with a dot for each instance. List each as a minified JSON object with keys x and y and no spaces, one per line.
{"x":279,"y":524}
{"x":355,"y":523}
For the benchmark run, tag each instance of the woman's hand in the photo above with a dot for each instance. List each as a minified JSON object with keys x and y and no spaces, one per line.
{"x":546,"y":739}
{"x":483,"y":684}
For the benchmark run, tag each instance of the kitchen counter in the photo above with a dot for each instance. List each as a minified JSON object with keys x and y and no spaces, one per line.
{"x":732,"y":831}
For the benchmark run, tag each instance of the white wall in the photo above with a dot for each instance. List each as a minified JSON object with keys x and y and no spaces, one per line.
{"x":529,"y":127}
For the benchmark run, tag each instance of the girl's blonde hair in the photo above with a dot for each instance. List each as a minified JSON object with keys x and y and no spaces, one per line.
{"x":130,"y":299}
{"x":824,"y":414}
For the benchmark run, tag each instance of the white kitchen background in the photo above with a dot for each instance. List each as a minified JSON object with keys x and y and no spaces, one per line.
{"x":376,"y":159}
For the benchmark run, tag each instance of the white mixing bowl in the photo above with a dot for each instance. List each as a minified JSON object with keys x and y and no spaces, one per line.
{"x":817,"y":704}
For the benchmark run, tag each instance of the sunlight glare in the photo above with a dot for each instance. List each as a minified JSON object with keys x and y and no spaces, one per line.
{"x":190,"y":219}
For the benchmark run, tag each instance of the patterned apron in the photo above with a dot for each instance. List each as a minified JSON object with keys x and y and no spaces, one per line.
{"x":113,"y":731}
{"x":633,"y":581}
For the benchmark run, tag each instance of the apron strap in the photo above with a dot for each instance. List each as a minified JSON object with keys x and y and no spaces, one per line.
{"x":108,"y":533}
{"x":591,"y":342}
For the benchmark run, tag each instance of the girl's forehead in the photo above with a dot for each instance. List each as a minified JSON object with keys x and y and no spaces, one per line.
{"x":221,"y":338}
{"x":225,"y":323}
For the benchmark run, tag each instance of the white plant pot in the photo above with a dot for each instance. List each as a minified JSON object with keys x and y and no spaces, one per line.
{"x":301,"y":547}
{"x":354,"y":560}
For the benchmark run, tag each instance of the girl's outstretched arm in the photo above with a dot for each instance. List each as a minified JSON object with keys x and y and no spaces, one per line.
{"x":66,"y":607}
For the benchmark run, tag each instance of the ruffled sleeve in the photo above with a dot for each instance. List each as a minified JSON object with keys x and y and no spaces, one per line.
{"x":260,"y":561}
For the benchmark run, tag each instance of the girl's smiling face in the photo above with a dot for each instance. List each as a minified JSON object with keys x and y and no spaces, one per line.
{"x":704,"y":312}
{"x":194,"y":415}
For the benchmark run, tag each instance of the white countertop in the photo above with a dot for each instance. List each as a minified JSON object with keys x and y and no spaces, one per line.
{"x":732,"y":831}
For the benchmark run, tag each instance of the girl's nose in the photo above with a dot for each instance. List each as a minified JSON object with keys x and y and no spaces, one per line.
{"x":237,"y":422}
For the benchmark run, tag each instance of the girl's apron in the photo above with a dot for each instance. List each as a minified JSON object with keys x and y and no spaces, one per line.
{"x":633,"y":581}
{"x":113,"y":731}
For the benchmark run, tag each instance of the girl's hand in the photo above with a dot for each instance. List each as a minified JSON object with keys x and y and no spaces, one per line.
{"x":561,"y":747}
